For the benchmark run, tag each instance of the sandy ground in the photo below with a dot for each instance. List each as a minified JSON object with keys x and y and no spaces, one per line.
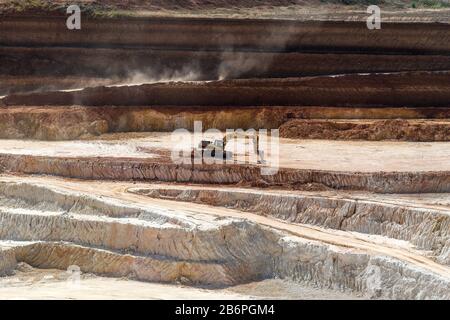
{"x":29,"y":283}
{"x":363,"y":156}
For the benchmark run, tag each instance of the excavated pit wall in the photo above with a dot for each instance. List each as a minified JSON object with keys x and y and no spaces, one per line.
{"x":71,"y":123}
{"x":416,"y":89}
{"x":207,"y":49}
{"x":395,"y":281}
{"x":67,"y":68}
{"x":400,"y":130}
{"x":426,"y":228}
{"x":285,"y":256}
{"x":303,"y":261}
{"x":31,"y":213}
{"x":147,"y":170}
{"x":226,"y":34}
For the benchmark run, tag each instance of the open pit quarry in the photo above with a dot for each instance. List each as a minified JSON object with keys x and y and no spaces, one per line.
{"x":358,"y":206}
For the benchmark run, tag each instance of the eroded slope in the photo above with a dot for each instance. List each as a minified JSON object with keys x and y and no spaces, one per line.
{"x":284,"y":244}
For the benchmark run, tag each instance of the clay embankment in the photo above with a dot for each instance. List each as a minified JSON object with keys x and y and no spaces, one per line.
{"x":69,"y":123}
{"x":374,"y":94}
{"x":382,"y":90}
{"x":66,"y":68}
{"x":207,"y":49}
{"x":213,"y":34}
{"x":412,"y":130}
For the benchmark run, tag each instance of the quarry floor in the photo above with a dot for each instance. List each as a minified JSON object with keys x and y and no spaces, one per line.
{"x":354,"y":156}
{"x":29,"y":283}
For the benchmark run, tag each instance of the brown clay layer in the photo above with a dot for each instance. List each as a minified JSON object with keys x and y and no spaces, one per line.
{"x":26,"y":69}
{"x":415,"y":89}
{"x":68,"y":123}
{"x":213,"y":34}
